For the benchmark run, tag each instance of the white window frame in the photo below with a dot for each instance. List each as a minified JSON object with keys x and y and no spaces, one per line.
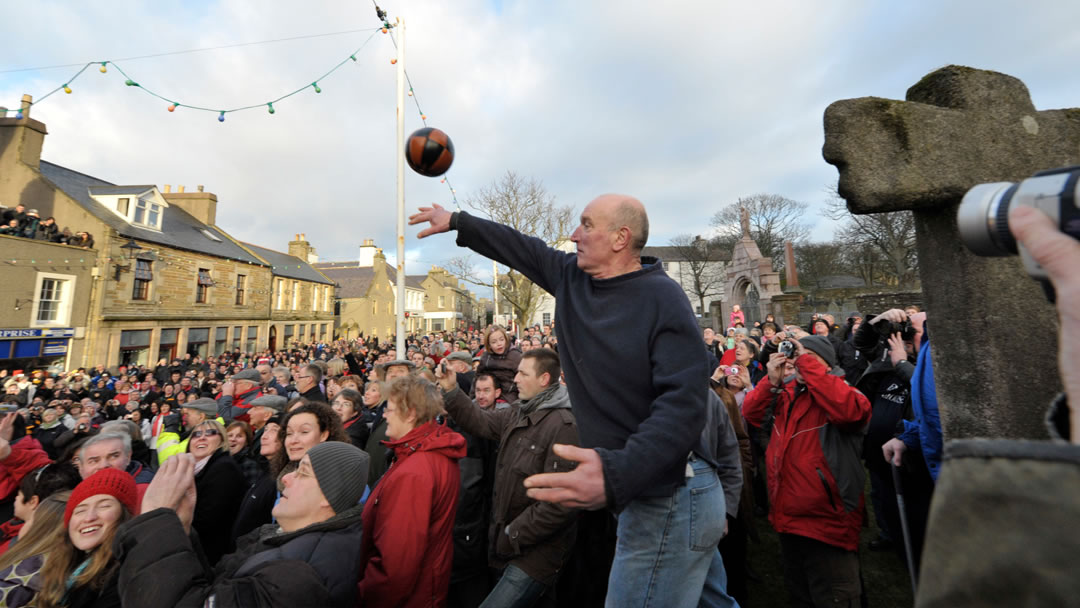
{"x":295,"y":294}
{"x":280,"y":294}
{"x":148,"y":207}
{"x":314,"y":298}
{"x":63,"y":318}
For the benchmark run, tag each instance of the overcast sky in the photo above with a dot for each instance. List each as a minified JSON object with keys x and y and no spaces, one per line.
{"x":687,"y":105}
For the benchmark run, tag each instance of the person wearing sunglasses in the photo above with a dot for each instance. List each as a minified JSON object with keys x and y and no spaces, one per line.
{"x":220,"y":486}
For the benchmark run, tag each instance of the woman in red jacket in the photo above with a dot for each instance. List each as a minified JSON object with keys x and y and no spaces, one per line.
{"x":409,"y":517}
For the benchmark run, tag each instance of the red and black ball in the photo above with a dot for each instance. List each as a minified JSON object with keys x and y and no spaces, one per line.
{"x":429,"y":152}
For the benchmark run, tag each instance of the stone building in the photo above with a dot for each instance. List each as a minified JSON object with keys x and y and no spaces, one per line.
{"x":449,"y":305}
{"x":367,"y":295}
{"x":163,"y":279}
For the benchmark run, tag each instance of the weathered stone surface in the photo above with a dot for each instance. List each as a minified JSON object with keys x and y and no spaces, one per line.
{"x":959,"y":127}
{"x":994,"y":334}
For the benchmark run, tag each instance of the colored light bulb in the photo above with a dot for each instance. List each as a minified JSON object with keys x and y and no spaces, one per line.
{"x":102,"y":68}
{"x":172,"y":108}
{"x":19,"y":115}
{"x":316,"y":86}
{"x":410,"y":92}
{"x":67,"y":89}
{"x":423,"y":117}
{"x":393,"y":61}
{"x":221,"y":117}
{"x":270,"y":107}
{"x":384,"y":30}
{"x":353,"y":57}
{"x":131,"y":83}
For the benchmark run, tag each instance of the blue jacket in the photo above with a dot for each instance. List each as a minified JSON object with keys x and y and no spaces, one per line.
{"x":924,"y":433}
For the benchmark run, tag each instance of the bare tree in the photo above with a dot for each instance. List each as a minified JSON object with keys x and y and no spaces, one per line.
{"x":891,"y":235}
{"x":818,"y":261}
{"x":524,"y":205}
{"x":701,"y":268}
{"x":774,"y":220}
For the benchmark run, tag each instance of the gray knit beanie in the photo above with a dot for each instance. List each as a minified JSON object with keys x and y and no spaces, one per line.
{"x":342,"y":471}
{"x":821,"y":346}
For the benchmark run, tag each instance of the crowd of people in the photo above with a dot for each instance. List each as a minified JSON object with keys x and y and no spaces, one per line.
{"x":620,"y":463}
{"x":27,"y":223}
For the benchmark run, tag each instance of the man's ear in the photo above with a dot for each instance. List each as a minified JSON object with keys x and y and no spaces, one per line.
{"x":622,"y":239}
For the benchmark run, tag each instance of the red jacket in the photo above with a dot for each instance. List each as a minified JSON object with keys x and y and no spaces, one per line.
{"x":26,"y":456}
{"x":815,"y":473}
{"x":409,"y":520}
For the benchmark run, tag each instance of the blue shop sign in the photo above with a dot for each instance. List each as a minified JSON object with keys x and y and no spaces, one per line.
{"x":56,"y":332}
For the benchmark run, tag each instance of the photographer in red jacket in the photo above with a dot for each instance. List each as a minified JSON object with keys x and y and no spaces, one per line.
{"x":815,"y":423}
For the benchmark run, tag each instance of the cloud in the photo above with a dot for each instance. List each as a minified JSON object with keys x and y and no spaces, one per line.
{"x":686,"y":105}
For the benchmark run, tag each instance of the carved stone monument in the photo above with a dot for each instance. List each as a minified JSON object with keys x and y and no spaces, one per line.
{"x":751,"y":281}
{"x":994,"y":335}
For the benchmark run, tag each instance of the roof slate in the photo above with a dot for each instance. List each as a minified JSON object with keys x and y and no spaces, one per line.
{"x":289,"y":266}
{"x":354,"y":281}
{"x":178,"y":228}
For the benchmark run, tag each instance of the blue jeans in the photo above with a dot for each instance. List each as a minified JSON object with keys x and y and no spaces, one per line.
{"x":515,"y":589}
{"x":666,"y":551}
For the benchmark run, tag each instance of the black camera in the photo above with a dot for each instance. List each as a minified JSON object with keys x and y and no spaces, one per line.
{"x":905,"y":329}
{"x":983,"y":216}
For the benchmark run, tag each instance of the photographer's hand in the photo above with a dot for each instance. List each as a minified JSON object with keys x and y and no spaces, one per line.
{"x":775,"y":368}
{"x":897,"y":352}
{"x":893,"y":315}
{"x":1059,"y":255}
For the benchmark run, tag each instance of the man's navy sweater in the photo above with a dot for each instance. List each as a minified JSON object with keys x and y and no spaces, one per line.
{"x":631,"y":351}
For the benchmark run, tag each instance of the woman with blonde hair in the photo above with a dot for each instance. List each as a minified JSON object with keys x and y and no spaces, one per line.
{"x":20,"y":567}
{"x":220,"y":487}
{"x":82,"y":570}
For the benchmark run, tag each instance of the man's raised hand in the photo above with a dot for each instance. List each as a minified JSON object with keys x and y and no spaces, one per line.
{"x":436,"y":215}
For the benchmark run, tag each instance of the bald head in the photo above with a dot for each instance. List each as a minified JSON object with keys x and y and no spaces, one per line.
{"x":614,"y":228}
{"x":628,"y":212}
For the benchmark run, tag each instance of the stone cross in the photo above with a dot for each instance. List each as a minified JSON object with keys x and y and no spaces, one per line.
{"x":744,"y":220}
{"x":994,"y":335}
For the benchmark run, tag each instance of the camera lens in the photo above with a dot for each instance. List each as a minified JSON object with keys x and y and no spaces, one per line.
{"x":983,"y":219}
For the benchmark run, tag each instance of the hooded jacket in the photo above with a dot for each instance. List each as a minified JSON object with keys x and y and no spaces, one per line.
{"x":313,"y":566}
{"x":409,"y":520}
{"x":26,"y":456}
{"x":815,"y":475}
{"x":535,"y":536}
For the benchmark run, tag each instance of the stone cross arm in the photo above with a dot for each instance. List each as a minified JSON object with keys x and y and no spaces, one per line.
{"x":958,"y":127}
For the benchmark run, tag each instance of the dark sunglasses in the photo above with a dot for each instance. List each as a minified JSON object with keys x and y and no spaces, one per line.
{"x":204,"y":433}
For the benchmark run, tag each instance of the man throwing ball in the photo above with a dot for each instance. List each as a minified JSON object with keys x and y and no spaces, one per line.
{"x":636,"y":374}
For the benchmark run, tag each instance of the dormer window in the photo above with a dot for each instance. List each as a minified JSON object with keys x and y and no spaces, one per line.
{"x":148,"y":214}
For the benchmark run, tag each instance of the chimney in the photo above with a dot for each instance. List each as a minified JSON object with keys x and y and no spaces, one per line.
{"x":21,"y":139}
{"x":367,"y":254}
{"x":302,"y":249}
{"x":200,"y":187}
{"x":168,"y":188}
{"x":200,"y":205}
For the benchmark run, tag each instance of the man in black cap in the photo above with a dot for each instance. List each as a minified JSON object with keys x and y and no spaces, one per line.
{"x":310,"y":557}
{"x":816,"y":423}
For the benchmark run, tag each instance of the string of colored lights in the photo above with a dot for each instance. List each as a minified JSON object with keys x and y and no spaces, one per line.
{"x":386,"y":28}
{"x":131,"y":82}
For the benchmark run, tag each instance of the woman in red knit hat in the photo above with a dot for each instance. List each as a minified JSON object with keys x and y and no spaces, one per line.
{"x":82,"y":570}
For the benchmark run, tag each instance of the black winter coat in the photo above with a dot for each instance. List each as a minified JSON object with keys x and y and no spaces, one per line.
{"x":314,"y":566}
{"x":256,"y":506}
{"x":219,"y":488}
